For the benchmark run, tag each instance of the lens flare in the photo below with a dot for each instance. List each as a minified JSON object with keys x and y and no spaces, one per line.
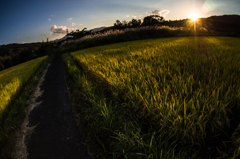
{"x":209,"y":5}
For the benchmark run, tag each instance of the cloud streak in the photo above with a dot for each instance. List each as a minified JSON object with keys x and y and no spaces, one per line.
{"x":134,"y":17}
{"x":159,"y":12}
{"x":69,"y":19}
{"x":49,"y":19}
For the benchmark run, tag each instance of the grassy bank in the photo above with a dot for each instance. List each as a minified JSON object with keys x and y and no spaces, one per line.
{"x":161,"y":98}
{"x":17,"y":84}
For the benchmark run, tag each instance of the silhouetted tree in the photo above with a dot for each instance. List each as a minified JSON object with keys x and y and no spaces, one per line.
{"x":83,"y":30}
{"x":136,"y":23}
{"x":124,"y":24}
{"x":118,"y":24}
{"x":152,"y":20}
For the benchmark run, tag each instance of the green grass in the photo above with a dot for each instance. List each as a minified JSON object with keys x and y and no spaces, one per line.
{"x":17,"y":84}
{"x":14,"y":78}
{"x":161,"y":98}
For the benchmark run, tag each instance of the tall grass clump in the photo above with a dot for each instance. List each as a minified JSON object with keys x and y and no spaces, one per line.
{"x":17,"y":84}
{"x":165,"y":98}
{"x":129,"y":34}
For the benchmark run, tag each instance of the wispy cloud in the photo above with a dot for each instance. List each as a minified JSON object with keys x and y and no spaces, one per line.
{"x":80,"y":24}
{"x":56,"y":30}
{"x":52,"y":15}
{"x":73,"y":24}
{"x":159,"y":12}
{"x":69,"y":19}
{"x":141,"y":18}
{"x":134,"y":17}
{"x":146,"y":12}
{"x":49,"y":19}
{"x":72,"y":29}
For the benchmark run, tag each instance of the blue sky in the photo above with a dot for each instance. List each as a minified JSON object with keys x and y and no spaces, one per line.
{"x":34,"y":21}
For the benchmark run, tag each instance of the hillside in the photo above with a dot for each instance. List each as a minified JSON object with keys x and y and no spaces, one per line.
{"x":225,"y":23}
{"x":15,"y":48}
{"x":221,"y":24}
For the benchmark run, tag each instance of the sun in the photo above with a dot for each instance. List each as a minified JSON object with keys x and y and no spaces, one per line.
{"x":194,"y":17}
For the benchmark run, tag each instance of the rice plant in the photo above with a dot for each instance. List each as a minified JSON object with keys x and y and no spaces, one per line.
{"x":185,"y":90}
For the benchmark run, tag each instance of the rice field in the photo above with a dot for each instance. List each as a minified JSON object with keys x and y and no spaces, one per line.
{"x":171,"y":97}
{"x":13,"y":79}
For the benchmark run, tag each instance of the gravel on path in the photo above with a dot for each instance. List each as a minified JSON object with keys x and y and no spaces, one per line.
{"x":56,"y":135}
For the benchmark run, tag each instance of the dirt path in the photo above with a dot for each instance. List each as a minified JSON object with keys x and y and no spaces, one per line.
{"x":56,"y":135}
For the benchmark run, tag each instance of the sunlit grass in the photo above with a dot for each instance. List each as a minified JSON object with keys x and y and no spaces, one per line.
{"x":14,"y":78}
{"x":185,"y":89}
